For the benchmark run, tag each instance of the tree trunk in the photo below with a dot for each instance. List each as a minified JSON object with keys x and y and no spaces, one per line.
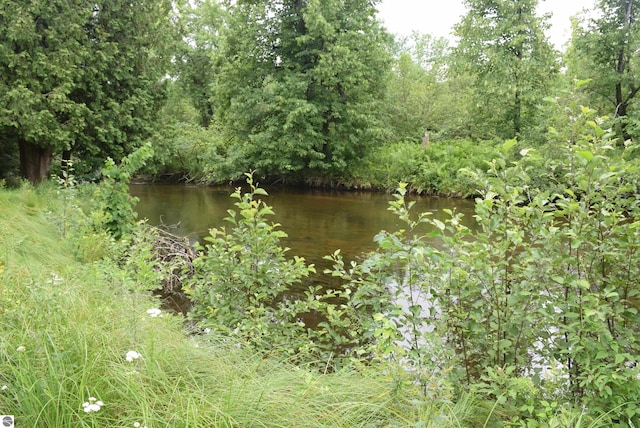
{"x":517,"y":114}
{"x":622,"y":67}
{"x":35,"y":161}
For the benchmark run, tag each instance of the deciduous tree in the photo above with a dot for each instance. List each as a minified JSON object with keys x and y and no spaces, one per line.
{"x":301,"y":84}
{"x":203,"y":21}
{"x":605,"y":49}
{"x":416,"y":97}
{"x":504,"y":48}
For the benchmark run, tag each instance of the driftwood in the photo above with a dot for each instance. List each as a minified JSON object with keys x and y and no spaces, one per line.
{"x":174,"y":257}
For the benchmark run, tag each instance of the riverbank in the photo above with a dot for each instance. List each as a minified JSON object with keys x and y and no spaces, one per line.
{"x":436,"y":170}
{"x":78,"y":326}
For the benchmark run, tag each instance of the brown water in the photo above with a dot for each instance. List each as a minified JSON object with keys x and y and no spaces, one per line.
{"x":318,"y":222}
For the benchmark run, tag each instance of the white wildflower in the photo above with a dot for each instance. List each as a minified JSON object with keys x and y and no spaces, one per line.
{"x":93,"y":405}
{"x":154,"y":312}
{"x":4,"y":388}
{"x":132,"y":355}
{"x":21,"y":348}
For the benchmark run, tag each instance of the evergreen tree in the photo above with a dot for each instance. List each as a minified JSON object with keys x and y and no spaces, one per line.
{"x":81,"y":77}
{"x":301,"y":84}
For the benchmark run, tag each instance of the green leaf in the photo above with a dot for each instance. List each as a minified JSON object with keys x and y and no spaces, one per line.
{"x":508,"y":145}
{"x":585,"y":154}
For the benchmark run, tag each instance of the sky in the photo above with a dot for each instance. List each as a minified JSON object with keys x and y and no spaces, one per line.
{"x":433,"y":17}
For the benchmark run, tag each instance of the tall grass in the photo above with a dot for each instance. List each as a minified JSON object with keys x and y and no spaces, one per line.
{"x":68,"y":321}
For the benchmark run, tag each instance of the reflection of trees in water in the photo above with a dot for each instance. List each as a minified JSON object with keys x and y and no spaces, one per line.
{"x":318,"y":222}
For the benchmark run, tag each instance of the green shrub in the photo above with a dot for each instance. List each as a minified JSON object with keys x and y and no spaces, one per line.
{"x":114,"y":212}
{"x":539,"y":305}
{"x":431,"y":170}
{"x":243,"y":280}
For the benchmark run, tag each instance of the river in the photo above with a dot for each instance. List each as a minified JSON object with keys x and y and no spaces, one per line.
{"x":318,"y":222}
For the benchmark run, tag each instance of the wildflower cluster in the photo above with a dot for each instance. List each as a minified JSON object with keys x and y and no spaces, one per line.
{"x":93,"y":405}
{"x":132,"y":356}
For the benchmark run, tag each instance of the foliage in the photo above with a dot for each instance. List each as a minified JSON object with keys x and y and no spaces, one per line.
{"x":503,"y":49}
{"x":203,"y":21}
{"x":434,"y":170}
{"x":69,"y":330}
{"x":417,"y":98}
{"x":604,"y":48}
{"x":242,"y":281}
{"x":300,"y":85}
{"x":535,"y":308}
{"x":184,"y":150}
{"x":81,"y":77}
{"x":114,"y":212}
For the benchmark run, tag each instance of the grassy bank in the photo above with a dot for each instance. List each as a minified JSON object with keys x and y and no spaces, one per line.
{"x":432,"y":170}
{"x":69,"y":319}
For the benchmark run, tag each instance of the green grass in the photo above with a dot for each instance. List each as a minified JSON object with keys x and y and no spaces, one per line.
{"x":67,"y":322}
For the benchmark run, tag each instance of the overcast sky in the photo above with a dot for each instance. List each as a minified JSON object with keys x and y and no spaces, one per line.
{"x":433,"y":17}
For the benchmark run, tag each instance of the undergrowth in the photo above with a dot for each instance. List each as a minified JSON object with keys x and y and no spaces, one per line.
{"x":80,"y":330}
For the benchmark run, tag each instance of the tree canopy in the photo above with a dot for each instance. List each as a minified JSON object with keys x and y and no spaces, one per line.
{"x":292,"y":89}
{"x":301,"y":83}
{"x":81,"y":77}
{"x":605,"y":49}
{"x":504,"y":48}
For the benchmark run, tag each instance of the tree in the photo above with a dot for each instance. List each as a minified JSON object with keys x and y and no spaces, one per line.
{"x":503,"y":47}
{"x":203,"y":20}
{"x":301,"y":84}
{"x":605,"y":50}
{"x":416,"y":92}
{"x":81,"y":77}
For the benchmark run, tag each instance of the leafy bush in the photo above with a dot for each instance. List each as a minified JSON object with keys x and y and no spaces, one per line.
{"x":539,"y":305}
{"x":242,"y":281}
{"x":115,"y":211}
{"x":432,"y":170}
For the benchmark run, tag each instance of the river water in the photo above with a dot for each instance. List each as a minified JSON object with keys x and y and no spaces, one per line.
{"x":318,"y":222}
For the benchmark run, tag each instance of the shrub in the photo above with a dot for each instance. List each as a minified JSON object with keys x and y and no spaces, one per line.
{"x":539,"y":305}
{"x":242,"y":279}
{"x":433,"y":170}
{"x":114,"y":212}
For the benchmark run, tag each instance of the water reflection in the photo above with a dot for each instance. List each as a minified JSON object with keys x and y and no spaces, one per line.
{"x":317,"y":221}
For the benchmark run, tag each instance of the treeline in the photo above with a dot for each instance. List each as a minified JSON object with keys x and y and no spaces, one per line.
{"x":300,"y":91}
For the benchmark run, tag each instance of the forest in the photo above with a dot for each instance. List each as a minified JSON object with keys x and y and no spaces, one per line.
{"x":530,"y":320}
{"x":300,"y":92}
